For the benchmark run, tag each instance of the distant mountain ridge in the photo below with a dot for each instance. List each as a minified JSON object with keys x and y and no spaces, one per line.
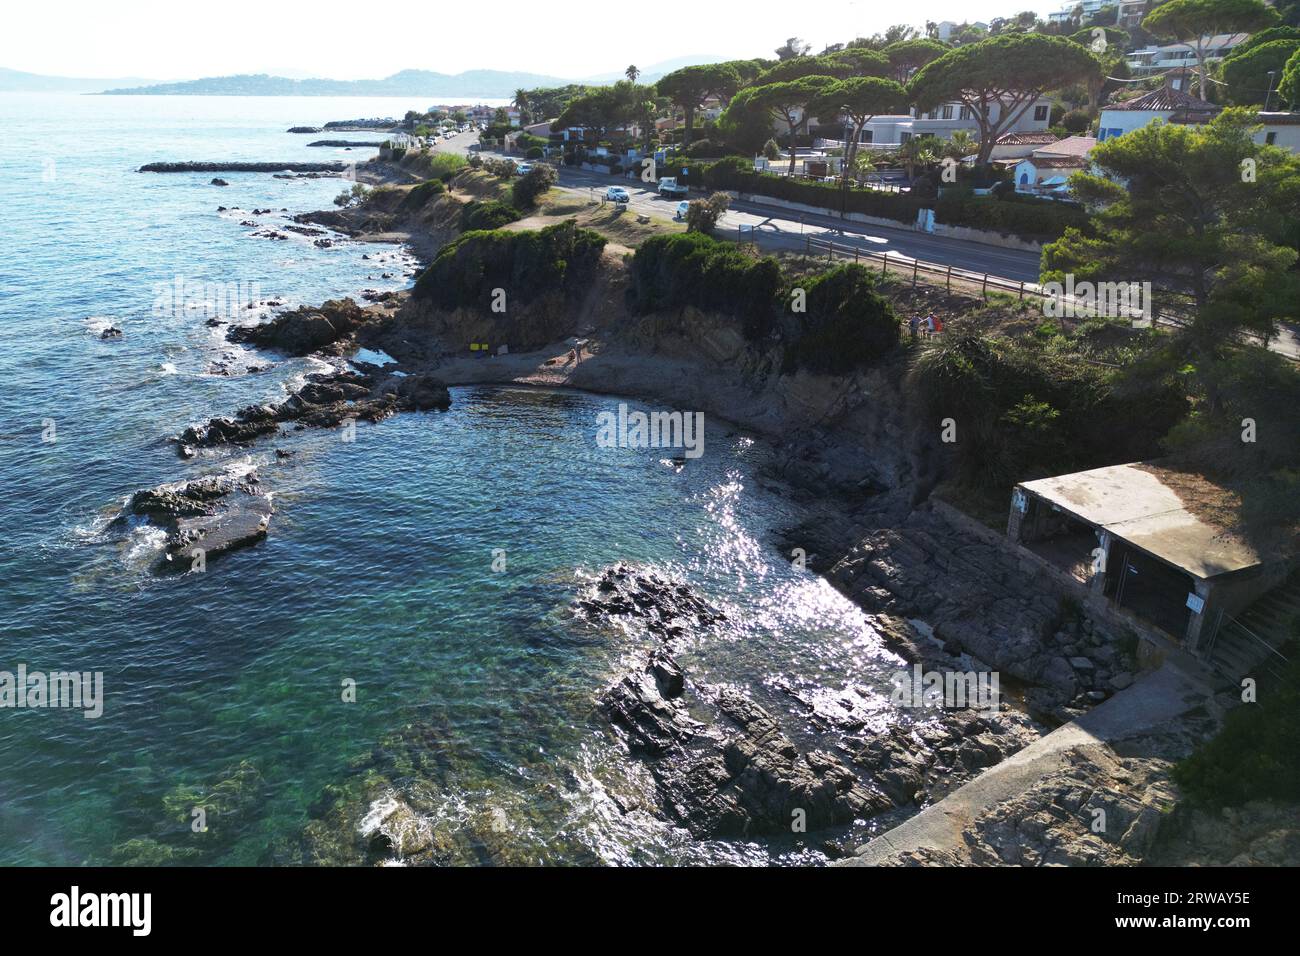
{"x":488,"y":83}
{"x":16,"y":81}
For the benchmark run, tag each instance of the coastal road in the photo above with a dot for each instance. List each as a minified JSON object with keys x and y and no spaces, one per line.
{"x":781,"y":228}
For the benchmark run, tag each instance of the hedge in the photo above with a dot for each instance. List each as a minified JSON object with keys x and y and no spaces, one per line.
{"x":524,"y":263}
{"x":492,"y":214}
{"x":694,"y":269}
{"x":846,"y":324}
{"x":421,"y":194}
{"x":1045,"y":220}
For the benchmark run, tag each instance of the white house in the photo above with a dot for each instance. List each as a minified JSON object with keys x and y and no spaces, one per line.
{"x":948,"y":29}
{"x":1160,"y":59}
{"x":1087,"y":9}
{"x":1175,"y":106}
{"x":1166,"y":104}
{"x":1046,"y":170}
{"x":888,"y":132}
{"x":1280,"y":129}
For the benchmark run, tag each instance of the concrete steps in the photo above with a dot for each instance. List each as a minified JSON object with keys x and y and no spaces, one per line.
{"x":1253,"y":640}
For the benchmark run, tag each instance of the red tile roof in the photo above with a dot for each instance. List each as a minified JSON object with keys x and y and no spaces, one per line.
{"x":1055,"y":162}
{"x":1026,"y":139}
{"x":1167,"y":99}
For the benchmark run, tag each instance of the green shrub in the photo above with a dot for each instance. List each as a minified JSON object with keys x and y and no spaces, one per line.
{"x":1253,"y":756}
{"x":847,"y":324}
{"x":419,"y":197}
{"x":534,"y":152}
{"x":702,"y":215}
{"x":532,"y":185}
{"x":693,"y":269}
{"x":446,"y":165}
{"x":492,"y":214}
{"x":1076,"y":121}
{"x":524,"y":263}
{"x":1035,"y":406}
{"x":527,"y":141}
{"x":501,"y":168}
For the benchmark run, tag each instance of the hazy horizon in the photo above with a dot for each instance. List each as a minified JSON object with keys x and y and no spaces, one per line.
{"x":86,"y":40}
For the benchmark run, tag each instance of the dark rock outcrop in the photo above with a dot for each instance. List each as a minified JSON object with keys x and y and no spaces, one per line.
{"x":213,"y":515}
{"x":326,"y":401}
{"x":306,"y":329}
{"x":738,"y":777}
{"x":983,"y":600}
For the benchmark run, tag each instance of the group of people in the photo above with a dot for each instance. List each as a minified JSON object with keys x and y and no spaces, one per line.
{"x":928,"y":326}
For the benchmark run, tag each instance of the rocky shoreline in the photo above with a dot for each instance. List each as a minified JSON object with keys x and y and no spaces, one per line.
{"x":722,"y":766}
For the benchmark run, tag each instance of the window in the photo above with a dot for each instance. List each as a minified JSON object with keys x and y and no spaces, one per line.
{"x":947,"y":112}
{"x":1270,"y":138}
{"x":966,"y":113}
{"x":1040,"y":113}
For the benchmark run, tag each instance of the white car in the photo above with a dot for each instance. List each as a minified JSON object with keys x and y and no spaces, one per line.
{"x":683,"y":208}
{"x":617,"y":194}
{"x":523,"y":168}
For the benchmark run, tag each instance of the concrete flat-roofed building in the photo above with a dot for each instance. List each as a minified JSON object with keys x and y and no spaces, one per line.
{"x":891,"y":131}
{"x":1149,"y":60}
{"x":1145,"y":540}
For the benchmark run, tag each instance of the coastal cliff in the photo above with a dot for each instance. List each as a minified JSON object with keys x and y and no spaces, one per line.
{"x":561,"y":306}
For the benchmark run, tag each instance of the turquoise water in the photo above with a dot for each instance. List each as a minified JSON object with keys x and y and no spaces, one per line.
{"x":379,"y":565}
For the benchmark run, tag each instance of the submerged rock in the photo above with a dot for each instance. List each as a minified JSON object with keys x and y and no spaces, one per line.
{"x":668,"y":609}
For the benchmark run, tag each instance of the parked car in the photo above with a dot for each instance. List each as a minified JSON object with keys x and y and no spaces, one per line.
{"x":670,"y":187}
{"x":523,"y":168}
{"x":683,"y":208}
{"x":617,"y":194}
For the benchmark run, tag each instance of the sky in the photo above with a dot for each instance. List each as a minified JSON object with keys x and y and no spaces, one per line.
{"x":165,"y":40}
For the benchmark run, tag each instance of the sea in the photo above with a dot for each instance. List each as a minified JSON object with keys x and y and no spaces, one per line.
{"x":419,"y":579}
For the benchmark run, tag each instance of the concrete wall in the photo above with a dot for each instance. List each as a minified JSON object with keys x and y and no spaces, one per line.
{"x":1231,"y":594}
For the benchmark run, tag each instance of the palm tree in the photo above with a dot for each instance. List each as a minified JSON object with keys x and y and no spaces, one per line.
{"x":961,"y":143}
{"x":632,"y":73}
{"x":917,"y":151}
{"x":521,"y":103}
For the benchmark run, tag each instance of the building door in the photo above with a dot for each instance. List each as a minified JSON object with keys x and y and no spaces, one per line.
{"x":1149,"y":588}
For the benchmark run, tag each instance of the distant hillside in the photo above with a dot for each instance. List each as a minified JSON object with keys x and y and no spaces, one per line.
{"x":15,"y":81}
{"x":486,"y":83}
